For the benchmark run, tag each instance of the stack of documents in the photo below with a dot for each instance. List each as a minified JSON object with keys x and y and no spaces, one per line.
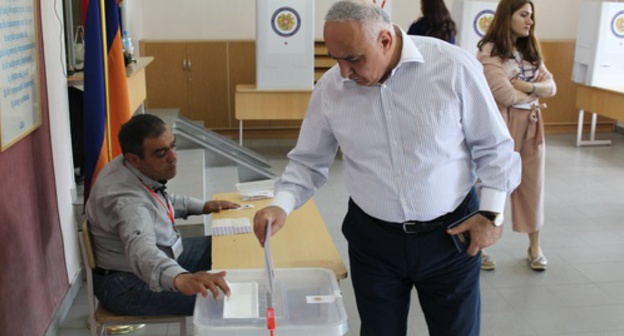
{"x":231,"y":226}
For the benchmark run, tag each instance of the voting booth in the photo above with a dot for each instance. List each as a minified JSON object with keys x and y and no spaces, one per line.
{"x":285,"y":44}
{"x":473,"y":18}
{"x":599,"y":53}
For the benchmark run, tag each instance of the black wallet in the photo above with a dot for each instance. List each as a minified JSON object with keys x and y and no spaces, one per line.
{"x":462,"y":240}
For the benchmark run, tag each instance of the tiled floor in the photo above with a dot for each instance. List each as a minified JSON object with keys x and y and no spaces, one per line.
{"x":581,"y":293}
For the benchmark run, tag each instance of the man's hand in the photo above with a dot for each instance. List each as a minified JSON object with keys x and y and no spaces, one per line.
{"x":201,"y":282}
{"x":216,"y":206}
{"x":278,"y":219}
{"x":482,"y":233}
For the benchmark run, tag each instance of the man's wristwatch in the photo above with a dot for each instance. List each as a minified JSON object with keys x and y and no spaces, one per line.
{"x":494,"y":217}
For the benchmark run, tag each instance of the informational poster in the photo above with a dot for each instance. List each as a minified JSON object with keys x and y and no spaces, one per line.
{"x":473,"y":19}
{"x":20,"y":110}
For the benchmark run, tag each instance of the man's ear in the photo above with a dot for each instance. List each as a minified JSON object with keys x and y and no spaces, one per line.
{"x":386,"y":38}
{"x":133,"y":159}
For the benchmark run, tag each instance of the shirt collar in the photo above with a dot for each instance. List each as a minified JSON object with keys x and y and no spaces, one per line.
{"x":409,"y":53}
{"x":153,"y":184}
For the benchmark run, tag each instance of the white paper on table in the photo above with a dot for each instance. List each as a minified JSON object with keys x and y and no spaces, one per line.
{"x":268,"y":260}
{"x":231,"y":226}
{"x":242,"y":302}
{"x":256,"y":189}
{"x":256,"y":195}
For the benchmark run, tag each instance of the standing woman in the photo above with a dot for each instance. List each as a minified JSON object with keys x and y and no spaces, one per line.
{"x":435,"y":22}
{"x":515,"y":71}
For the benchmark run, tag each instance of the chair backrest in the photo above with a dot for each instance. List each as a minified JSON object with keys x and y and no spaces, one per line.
{"x":88,"y":256}
{"x":101,"y":316}
{"x":88,"y":259}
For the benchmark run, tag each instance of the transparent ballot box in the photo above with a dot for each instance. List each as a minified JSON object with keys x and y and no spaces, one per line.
{"x":307,"y":302}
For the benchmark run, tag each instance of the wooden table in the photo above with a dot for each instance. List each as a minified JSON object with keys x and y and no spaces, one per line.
{"x":607,"y":103}
{"x":303,"y":242}
{"x":253,"y":104}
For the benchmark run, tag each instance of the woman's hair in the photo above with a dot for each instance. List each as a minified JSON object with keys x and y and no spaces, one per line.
{"x":372,"y":18}
{"x":438,"y":19}
{"x":499,"y":34}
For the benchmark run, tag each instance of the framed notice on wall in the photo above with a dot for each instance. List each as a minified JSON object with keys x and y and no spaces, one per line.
{"x":20,"y":108}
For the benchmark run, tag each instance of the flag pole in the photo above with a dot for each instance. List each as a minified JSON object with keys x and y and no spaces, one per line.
{"x":107,"y":131}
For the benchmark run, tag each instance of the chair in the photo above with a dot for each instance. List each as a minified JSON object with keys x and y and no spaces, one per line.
{"x":98,"y":315}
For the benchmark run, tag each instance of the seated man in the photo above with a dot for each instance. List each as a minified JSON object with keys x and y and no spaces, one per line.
{"x":143,"y":266}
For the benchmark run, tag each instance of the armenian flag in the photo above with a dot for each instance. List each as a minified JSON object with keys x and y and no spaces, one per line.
{"x":106,"y":102}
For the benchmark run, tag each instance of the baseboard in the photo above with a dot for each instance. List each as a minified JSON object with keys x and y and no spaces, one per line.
{"x":558,"y":128}
{"x":66,"y":304}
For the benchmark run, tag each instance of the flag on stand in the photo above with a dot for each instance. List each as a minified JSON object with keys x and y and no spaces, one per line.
{"x":106,"y":102}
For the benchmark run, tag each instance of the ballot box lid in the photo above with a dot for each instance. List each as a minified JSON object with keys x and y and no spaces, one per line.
{"x":306,"y":301}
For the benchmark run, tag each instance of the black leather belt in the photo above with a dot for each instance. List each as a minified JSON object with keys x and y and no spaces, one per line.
{"x":412,"y":227}
{"x":422,"y":227}
{"x":103,"y":272}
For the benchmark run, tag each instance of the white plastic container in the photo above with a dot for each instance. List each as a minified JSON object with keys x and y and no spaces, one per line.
{"x":307,"y":302}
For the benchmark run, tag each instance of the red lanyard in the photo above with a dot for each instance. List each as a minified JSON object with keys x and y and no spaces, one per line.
{"x":168,"y":208}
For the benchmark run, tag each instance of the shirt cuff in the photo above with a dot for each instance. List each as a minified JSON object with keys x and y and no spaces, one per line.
{"x":492,"y":200}
{"x":195,"y":206}
{"x":284,"y":200}
{"x":168,"y":275}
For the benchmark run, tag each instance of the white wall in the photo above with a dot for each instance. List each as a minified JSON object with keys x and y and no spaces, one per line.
{"x":236,"y":20}
{"x":54,"y":50}
{"x":132,"y":19}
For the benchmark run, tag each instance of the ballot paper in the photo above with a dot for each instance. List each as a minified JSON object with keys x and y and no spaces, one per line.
{"x":270,"y":279}
{"x":268,"y":260}
{"x":231,"y":226}
{"x":242,"y":302}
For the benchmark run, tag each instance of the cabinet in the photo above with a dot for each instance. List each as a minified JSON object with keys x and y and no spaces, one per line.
{"x":200,"y":79}
{"x":190,"y":76}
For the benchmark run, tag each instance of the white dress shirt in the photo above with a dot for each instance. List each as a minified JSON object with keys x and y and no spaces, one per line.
{"x":413,"y":145}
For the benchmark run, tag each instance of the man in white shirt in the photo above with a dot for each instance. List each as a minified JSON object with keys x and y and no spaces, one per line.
{"x":416,"y":124}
